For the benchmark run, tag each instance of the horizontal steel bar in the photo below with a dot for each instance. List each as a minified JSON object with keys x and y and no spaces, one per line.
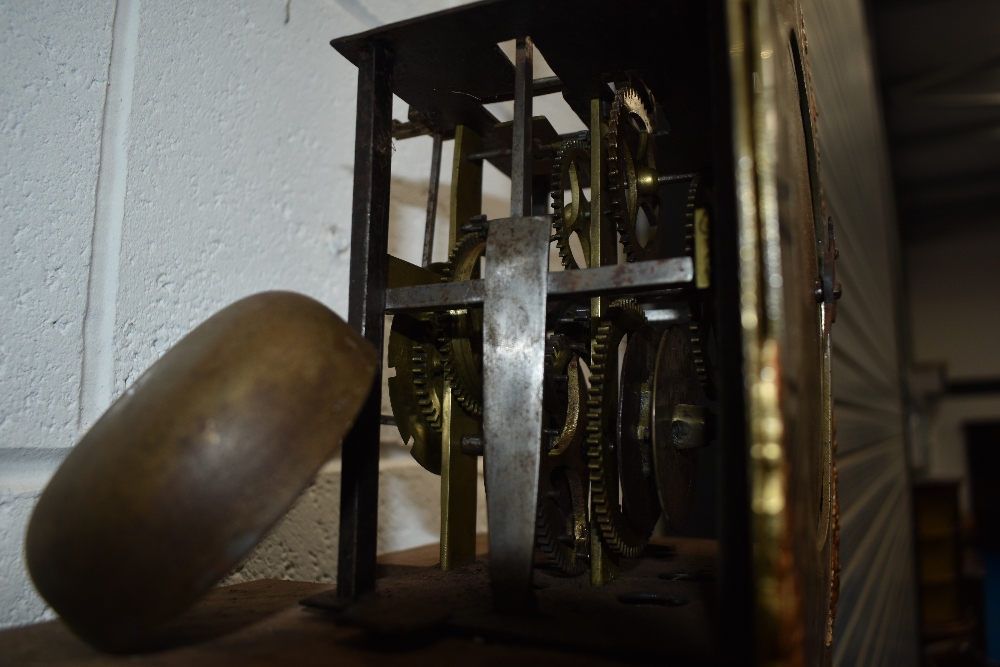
{"x":630,"y":278}
{"x":489,"y":155}
{"x":444,"y":296}
{"x":675,"y":178}
{"x":545,"y":85}
{"x":540,"y":151}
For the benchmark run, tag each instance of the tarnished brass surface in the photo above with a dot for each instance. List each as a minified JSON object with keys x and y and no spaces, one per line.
{"x":562,"y":527}
{"x":632,"y":176}
{"x":603,"y":252}
{"x":459,"y":475}
{"x":570,"y":170}
{"x":416,"y":390}
{"x":603,"y":241}
{"x":634,"y":430}
{"x":620,"y":533}
{"x":787,"y":384}
{"x":702,"y":249}
{"x":461,"y":341}
{"x":436,"y":394}
{"x":188,"y":470}
{"x":403,"y":274}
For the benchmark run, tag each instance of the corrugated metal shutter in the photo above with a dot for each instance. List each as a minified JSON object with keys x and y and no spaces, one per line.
{"x":877,"y":618}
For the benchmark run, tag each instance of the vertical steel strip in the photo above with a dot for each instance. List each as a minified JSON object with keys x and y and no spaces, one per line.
{"x":432,"y":200}
{"x":513,"y":367}
{"x":366,"y":313}
{"x":466,"y":182}
{"x":521,"y":154}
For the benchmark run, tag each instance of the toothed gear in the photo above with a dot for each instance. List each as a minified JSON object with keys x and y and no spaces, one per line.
{"x":692,"y":205}
{"x":460,"y":341}
{"x":698,"y":327}
{"x":572,"y":157}
{"x":416,"y":389}
{"x":561,"y":526}
{"x":624,"y":316}
{"x":427,"y":397}
{"x":698,"y":352}
{"x":630,"y":155}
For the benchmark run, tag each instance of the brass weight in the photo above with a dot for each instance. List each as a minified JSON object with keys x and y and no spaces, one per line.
{"x":189,"y":469}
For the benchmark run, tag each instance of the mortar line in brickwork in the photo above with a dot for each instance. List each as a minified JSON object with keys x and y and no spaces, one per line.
{"x":97,"y":373}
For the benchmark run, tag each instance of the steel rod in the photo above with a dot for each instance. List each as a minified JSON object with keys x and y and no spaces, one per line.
{"x":521,"y":157}
{"x":432,"y":200}
{"x":675,"y":178}
{"x":489,"y":155}
{"x":366,"y":308}
{"x":545,"y":85}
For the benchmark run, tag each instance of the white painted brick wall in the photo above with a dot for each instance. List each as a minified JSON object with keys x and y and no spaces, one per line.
{"x":54,"y":62}
{"x":206,"y":148}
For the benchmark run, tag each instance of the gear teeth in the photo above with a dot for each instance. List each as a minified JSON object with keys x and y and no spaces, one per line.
{"x":568,"y":151}
{"x":460,"y":266}
{"x":698,"y":353}
{"x":627,"y":102}
{"x":558,"y":554}
{"x":624,"y":315}
{"x":698,"y":349}
{"x":421,"y":374}
{"x":692,"y":200}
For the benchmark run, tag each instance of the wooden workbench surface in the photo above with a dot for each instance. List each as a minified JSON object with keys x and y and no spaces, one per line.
{"x":262,"y":623}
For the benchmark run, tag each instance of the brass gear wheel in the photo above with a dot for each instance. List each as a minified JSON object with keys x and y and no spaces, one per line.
{"x":562,"y":534}
{"x":461,"y":334}
{"x":571,"y":162}
{"x":634,"y":426}
{"x":698,"y":326}
{"x":632,"y":177}
{"x":693,"y":199}
{"x":624,"y":316}
{"x":415,"y":391}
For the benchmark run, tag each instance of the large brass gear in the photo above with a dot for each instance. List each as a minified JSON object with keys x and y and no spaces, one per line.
{"x":572,"y":161}
{"x":461,"y":340}
{"x":634,"y":430}
{"x":416,"y":389}
{"x":562,"y":533}
{"x":632,"y":176}
{"x":621,"y":537}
